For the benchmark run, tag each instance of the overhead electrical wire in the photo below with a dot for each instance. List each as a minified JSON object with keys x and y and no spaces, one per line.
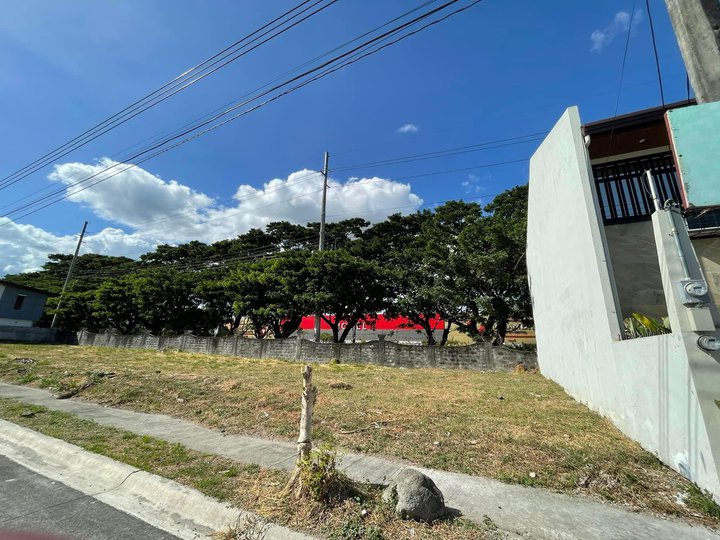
{"x":209,"y":263}
{"x":533,"y":137}
{"x":160,"y":136}
{"x":327,"y":68}
{"x":180,"y":83}
{"x":254,"y":253}
{"x":655,"y":51}
{"x":308,"y":193}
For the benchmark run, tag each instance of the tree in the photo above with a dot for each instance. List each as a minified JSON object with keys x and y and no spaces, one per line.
{"x":91,"y":270}
{"x":345,"y":289}
{"x":490,"y":283}
{"x":423,"y":266}
{"x":115,"y":305}
{"x":270,"y":293}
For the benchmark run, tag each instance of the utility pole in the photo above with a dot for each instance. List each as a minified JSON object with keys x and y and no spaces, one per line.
{"x":697,"y":29}
{"x":321,"y":246}
{"x":69,"y":274}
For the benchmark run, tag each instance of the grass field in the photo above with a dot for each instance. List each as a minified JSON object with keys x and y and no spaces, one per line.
{"x":248,"y":487}
{"x":518,"y":428}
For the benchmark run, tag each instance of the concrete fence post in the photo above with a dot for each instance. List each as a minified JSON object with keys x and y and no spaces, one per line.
{"x":381,"y":350}
{"x":429,"y":354}
{"x":489,"y":356}
{"x":299,"y":344}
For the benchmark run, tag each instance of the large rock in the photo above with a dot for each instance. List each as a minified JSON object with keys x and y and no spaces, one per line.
{"x":415,"y":496}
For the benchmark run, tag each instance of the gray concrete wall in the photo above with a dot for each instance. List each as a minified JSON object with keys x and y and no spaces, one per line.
{"x":645,"y":386}
{"x":480,"y":356}
{"x":635,"y":269}
{"x":27,"y":334}
{"x":708,"y":254}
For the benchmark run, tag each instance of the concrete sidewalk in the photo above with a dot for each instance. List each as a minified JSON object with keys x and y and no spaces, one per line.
{"x":528,"y":512}
{"x":77,"y":482}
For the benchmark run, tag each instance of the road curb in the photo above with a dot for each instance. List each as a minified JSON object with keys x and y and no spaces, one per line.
{"x":164,"y":504}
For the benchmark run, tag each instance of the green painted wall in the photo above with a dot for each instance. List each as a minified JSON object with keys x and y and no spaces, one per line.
{"x":696,"y":137}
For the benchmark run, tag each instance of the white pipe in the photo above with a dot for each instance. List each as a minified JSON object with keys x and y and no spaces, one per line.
{"x":653,"y":190}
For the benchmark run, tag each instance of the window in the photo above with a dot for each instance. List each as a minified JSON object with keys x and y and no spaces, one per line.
{"x":19,"y":301}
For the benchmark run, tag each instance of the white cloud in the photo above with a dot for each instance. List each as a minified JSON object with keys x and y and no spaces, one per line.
{"x":602,"y":37}
{"x":156,"y":211}
{"x":408,"y":128}
{"x":130,"y":196}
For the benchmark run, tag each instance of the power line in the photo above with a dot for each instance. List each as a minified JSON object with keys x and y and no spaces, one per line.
{"x":257,"y":253}
{"x":306,"y":194}
{"x":655,"y":51}
{"x":166,"y":91}
{"x":349,"y":57}
{"x":622,"y":73}
{"x":164,"y":134}
{"x":624,"y":58}
{"x":447,"y":152}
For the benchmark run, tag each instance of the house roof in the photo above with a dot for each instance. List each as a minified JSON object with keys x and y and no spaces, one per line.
{"x":634,"y":118}
{"x":24,"y":287}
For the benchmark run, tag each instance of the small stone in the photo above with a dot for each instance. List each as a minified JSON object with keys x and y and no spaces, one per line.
{"x":436,"y":443}
{"x":180,"y":400}
{"x":27,"y":413}
{"x":364,"y":512}
{"x":532,"y":475}
{"x":415,"y":496}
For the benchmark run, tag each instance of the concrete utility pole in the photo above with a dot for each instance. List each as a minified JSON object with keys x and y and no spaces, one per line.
{"x":321,"y":246}
{"x":69,"y":274}
{"x":697,"y":28}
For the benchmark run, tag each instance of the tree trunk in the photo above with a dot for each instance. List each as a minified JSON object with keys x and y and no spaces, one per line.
{"x":425,"y":323}
{"x":308,"y":400}
{"x":445,"y":334}
{"x":502,"y":325}
{"x":351,"y":324}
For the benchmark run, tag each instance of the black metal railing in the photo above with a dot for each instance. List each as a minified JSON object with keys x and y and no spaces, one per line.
{"x":623,"y":191}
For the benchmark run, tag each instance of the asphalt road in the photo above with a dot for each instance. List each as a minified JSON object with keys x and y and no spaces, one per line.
{"x":30,"y":502}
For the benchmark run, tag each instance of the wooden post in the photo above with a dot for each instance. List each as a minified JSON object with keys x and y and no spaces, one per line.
{"x":308,"y":400}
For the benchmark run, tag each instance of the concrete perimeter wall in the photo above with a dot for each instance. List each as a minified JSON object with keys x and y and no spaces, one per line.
{"x":648,"y":387}
{"x":27,"y":334}
{"x":480,"y":356}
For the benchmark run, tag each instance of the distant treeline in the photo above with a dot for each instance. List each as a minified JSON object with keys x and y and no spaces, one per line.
{"x":460,"y":260}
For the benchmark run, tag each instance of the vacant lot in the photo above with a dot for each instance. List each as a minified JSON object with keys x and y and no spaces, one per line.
{"x":519,"y":428}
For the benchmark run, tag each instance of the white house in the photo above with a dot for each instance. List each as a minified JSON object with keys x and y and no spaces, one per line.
{"x":600,"y":248}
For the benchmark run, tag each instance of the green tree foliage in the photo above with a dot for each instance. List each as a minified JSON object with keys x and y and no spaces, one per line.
{"x":270,"y":293}
{"x":460,"y":260}
{"x":345,"y":289}
{"x":488,"y":266}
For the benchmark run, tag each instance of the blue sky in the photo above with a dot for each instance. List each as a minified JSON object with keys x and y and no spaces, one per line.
{"x":503,"y":69}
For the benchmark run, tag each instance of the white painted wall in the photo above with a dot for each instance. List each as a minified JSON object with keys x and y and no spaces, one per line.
{"x":645,"y":386}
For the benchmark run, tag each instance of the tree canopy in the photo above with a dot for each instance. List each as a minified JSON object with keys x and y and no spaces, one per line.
{"x":460,"y":261}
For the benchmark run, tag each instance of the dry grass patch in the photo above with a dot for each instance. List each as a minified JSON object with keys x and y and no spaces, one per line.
{"x":360,"y":517}
{"x":516,"y":427}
